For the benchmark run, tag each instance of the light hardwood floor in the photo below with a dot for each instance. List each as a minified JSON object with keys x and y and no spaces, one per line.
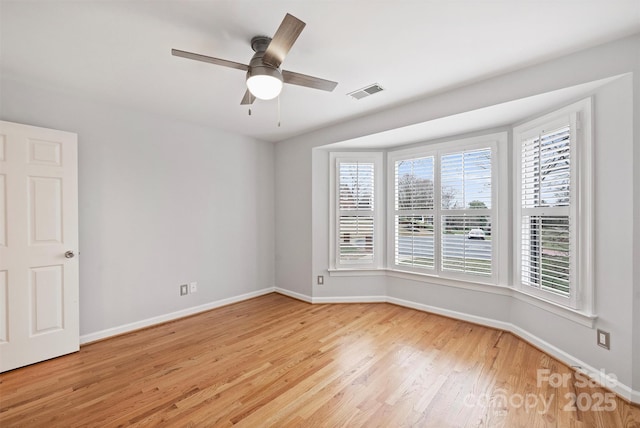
{"x":275,"y":361}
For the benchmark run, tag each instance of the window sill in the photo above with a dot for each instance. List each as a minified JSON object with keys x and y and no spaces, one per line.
{"x":577,"y":316}
{"x":357,"y":272}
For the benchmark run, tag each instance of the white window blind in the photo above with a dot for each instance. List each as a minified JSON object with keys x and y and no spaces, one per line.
{"x":466,"y":212}
{"x":355,"y":212}
{"x":414,"y":212}
{"x":546,"y":223}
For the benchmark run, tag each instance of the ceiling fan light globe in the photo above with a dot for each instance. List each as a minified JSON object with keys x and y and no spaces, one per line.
{"x":264,"y":87}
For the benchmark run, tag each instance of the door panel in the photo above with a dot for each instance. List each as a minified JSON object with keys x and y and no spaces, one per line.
{"x":39,"y":217}
{"x":44,"y":152}
{"x":45,"y":210}
{"x":3,"y":307}
{"x":3,"y":210}
{"x":46,"y":299}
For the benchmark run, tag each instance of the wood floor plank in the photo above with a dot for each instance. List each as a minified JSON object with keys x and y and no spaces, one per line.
{"x":276,"y":361}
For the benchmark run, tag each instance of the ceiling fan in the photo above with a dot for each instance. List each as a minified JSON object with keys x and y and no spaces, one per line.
{"x":264,"y":77}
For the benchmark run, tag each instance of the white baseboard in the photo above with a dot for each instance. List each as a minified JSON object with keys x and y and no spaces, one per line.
{"x":451,"y":314}
{"x":293,"y":294}
{"x":351,"y":299}
{"x":344,"y":299}
{"x":103,"y":334}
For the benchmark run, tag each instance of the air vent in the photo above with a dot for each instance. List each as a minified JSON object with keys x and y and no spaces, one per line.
{"x":366,"y":91}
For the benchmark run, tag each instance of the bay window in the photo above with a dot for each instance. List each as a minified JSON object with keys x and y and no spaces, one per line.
{"x":451,"y":212}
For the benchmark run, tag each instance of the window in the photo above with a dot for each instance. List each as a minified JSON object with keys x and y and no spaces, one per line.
{"x":414,"y":212}
{"x":444,"y":209}
{"x":552,"y":154}
{"x":355,"y":216}
{"x":356,"y":226}
{"x":466,"y":203}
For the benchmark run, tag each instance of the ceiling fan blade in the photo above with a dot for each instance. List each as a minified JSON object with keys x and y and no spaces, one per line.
{"x":281,"y":43}
{"x":248,"y":98}
{"x":209,"y":59}
{"x":308,"y":81}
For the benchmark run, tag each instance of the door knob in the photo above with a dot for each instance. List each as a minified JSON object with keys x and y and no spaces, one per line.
{"x":69,"y":254}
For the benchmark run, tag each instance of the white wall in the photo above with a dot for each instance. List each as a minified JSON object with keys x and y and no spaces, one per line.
{"x":293,"y":222}
{"x":636,"y":234}
{"x":301,"y":257}
{"x":161,"y":203}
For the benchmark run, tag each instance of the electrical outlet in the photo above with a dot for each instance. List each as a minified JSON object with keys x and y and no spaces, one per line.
{"x":184,"y":289}
{"x":193,"y":287}
{"x":320,"y":279}
{"x":604,"y":339}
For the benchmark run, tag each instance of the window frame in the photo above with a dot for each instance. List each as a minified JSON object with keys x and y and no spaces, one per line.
{"x":497,"y":142}
{"x":335,"y":158}
{"x":393,"y":212}
{"x":579,"y":118}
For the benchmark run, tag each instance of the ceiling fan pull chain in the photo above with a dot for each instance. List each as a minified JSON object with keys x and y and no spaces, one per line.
{"x":278,"y":111}
{"x":249,"y":111}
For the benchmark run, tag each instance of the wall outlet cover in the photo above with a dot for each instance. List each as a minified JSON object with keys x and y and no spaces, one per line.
{"x":604,"y":339}
{"x":184,"y":289}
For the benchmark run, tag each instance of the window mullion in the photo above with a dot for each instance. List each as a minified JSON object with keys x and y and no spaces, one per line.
{"x":437,"y":205}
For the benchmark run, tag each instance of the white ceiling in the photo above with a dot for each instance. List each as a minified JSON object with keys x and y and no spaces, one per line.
{"x":119,"y":51}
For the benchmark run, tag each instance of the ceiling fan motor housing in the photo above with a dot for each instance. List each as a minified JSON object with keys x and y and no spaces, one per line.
{"x":257,"y":67}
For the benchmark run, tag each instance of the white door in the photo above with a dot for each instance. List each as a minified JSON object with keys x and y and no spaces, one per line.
{"x":38,"y":225}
